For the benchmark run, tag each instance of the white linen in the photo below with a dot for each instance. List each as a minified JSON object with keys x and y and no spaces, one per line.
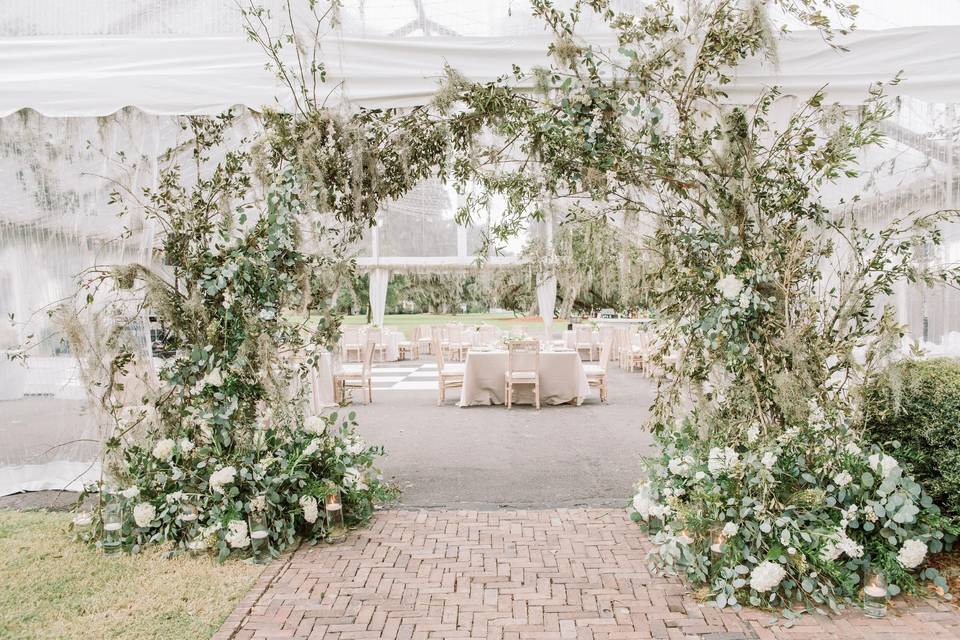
{"x":321,"y":384}
{"x":546,"y":300}
{"x":562,"y":379}
{"x":98,"y":75}
{"x":379,"y":281}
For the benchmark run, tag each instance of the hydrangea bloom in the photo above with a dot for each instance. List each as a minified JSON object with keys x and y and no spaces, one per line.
{"x":237,"y":535}
{"x":143,"y":514}
{"x":730,"y":287}
{"x":769,"y":459}
{"x":312,"y":448}
{"x":842,"y":479}
{"x":766,"y":576}
{"x":130,"y":493}
{"x":722,"y":459}
{"x":163,"y":449}
{"x":309,"y":506}
{"x":186,"y":446}
{"x":912,"y":553}
{"x":315,"y":424}
{"x":730,"y":529}
{"x":222,"y":477}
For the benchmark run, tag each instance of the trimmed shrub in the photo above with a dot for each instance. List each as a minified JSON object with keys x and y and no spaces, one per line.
{"x":917,"y":403}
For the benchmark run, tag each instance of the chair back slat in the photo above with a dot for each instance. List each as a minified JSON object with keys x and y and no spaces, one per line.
{"x":368,"y":357}
{"x":523,"y":356}
{"x":605,"y":350}
{"x":438,"y":352}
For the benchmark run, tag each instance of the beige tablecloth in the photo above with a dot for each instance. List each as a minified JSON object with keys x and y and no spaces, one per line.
{"x":562,"y":379}
{"x":321,"y":384}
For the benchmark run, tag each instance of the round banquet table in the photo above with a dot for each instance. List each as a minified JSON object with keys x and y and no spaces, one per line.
{"x":562,"y":379}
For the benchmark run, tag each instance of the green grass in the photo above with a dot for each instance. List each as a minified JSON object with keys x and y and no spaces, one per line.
{"x":53,"y":587}
{"x":407,"y":322}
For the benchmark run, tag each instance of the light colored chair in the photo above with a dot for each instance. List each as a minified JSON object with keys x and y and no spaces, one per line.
{"x":424,"y":338}
{"x":358,"y":376}
{"x":583,"y":339}
{"x":597,"y":373}
{"x":410,"y":347}
{"x":639,"y":353}
{"x":350,"y":342}
{"x":457,"y":345}
{"x":449,"y":376}
{"x":523,"y":368}
{"x":489,"y":335}
{"x":375,"y":336}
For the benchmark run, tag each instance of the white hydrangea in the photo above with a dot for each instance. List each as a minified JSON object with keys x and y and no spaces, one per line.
{"x":643,"y":501}
{"x":258,"y":504}
{"x":659,"y":510}
{"x":753,"y":432}
{"x":841,"y":544}
{"x":175,"y":496}
{"x":237,"y":535}
{"x":144,"y":513}
{"x":312,"y":448}
{"x":883,"y":463}
{"x":842,"y":479}
{"x":766,"y":576}
{"x":163,"y":449}
{"x":131,"y":493}
{"x":186,"y":446}
{"x":912,"y":553}
{"x":679,"y":466}
{"x":769,"y":459}
{"x":356,"y":447}
{"x":722,"y":459}
{"x":315,"y":424}
{"x":309,"y":506}
{"x":852,"y":449}
{"x":730,"y":287}
{"x":222,"y":477}
{"x":730,"y":529}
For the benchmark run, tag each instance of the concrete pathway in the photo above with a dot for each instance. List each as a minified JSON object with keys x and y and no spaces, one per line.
{"x":512,"y":575}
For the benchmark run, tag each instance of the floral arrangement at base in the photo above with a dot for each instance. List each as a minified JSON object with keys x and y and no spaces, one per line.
{"x":786,"y":520}
{"x":191,"y":493}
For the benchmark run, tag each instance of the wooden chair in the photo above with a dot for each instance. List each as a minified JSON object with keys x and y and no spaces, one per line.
{"x":450,"y":376}
{"x":523,"y":367}
{"x":456,"y":344}
{"x":375,"y":337}
{"x":583,"y":339}
{"x":597,"y":373}
{"x":356,"y":376}
{"x":424,"y":339}
{"x":639,"y":352}
{"x":350,"y":341}
{"x":410,"y":347}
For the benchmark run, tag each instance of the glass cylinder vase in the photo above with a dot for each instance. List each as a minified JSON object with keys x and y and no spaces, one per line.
{"x":259,"y":539}
{"x":333,"y":512}
{"x":874,"y":594}
{"x":112,"y":543}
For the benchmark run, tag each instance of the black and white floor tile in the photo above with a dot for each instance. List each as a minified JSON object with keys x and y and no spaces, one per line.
{"x":404,"y":376}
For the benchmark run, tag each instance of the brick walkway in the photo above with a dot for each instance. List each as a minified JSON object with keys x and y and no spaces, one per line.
{"x":577,"y":573}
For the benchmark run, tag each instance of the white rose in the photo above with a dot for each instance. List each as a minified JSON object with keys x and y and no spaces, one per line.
{"x":237,"y":535}
{"x":766,"y":576}
{"x":186,"y":446}
{"x":163,"y":449}
{"x":842,"y":479}
{"x":222,"y":477}
{"x":722,"y":459}
{"x":912,"y":553}
{"x":309,"y":506}
{"x":131,"y":493}
{"x":730,"y":529}
{"x":143,"y":514}
{"x":730,"y":286}
{"x":315,"y":424}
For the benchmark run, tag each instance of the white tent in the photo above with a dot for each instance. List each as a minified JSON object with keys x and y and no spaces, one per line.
{"x":82,"y":81}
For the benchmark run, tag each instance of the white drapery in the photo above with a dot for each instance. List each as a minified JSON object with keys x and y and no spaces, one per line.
{"x":97,"y":75}
{"x":379,"y":280}
{"x":547,"y":300}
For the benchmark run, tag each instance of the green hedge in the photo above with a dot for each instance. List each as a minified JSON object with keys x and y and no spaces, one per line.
{"x":917,"y":402}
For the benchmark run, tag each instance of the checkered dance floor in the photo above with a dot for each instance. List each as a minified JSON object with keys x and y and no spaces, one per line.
{"x":404,"y":376}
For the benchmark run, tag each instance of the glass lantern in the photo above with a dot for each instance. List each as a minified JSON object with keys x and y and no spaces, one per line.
{"x":259,"y":539}
{"x":718,"y":542}
{"x":112,"y":527}
{"x":874,"y":593}
{"x":333,"y":512}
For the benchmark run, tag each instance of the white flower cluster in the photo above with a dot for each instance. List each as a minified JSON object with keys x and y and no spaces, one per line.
{"x":237,"y":535}
{"x":143,"y":514}
{"x":130,"y":493}
{"x":730,"y":529}
{"x":842,"y":479}
{"x":310,"y":510}
{"x":841,"y":544}
{"x":312,"y":447}
{"x":163,"y":449}
{"x":766,"y":576}
{"x":730,"y":286}
{"x":769,"y":459}
{"x":680,"y":466}
{"x":719,"y":460}
{"x":883,"y":463}
{"x":315,"y":424}
{"x":220,"y":478}
{"x":912,"y":553}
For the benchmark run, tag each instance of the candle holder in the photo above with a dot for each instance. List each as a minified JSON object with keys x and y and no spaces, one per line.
{"x":82,"y":525}
{"x":654,"y":525}
{"x":718,"y":543}
{"x":333,"y":512}
{"x":874,"y":594}
{"x":259,"y":539}
{"x":112,"y":527}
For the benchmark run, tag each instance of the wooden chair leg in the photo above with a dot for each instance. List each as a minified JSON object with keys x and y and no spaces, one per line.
{"x":536,"y":390}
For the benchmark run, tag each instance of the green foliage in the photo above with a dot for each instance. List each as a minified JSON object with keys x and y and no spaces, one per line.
{"x":917,"y":403}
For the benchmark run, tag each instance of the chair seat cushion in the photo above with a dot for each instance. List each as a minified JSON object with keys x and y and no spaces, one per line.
{"x":454,"y":369}
{"x":352,"y":369}
{"x":593,"y":370}
{"x":522,"y":375}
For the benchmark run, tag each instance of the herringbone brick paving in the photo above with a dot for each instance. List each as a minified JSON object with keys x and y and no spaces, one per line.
{"x":565,"y":573}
